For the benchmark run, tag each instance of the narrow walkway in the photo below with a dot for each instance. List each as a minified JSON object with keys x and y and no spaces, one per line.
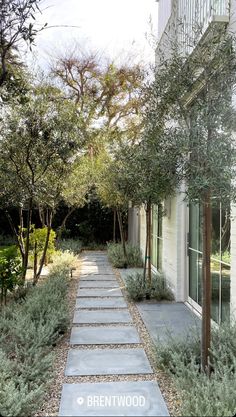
{"x":105,"y":342}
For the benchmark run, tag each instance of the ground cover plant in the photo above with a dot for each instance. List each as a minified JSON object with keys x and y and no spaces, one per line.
{"x":139,"y":289}
{"x":116,"y":255}
{"x":203,"y":394}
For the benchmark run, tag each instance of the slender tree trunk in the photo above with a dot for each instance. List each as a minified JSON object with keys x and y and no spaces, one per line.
{"x":206,"y":283}
{"x":35,"y":260}
{"x":42,"y":260}
{"x":41,"y":216}
{"x":149,"y":209}
{"x":27,"y":238}
{"x":114,"y":225}
{"x":14,"y":231}
{"x":146,"y":248}
{"x":122,"y":237}
{"x":63,"y":224}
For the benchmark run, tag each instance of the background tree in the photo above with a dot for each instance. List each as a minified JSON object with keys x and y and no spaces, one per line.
{"x":38,"y":141}
{"x":17,"y":25}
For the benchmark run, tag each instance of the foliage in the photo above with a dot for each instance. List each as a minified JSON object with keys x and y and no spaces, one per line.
{"x":116,"y":255}
{"x":6,"y":240}
{"x":17,"y":26}
{"x":37,"y":242}
{"x":159,"y":289}
{"x":138,"y":288}
{"x":28,"y":331}
{"x":64,"y":260}
{"x":10,"y":270}
{"x":203,"y":394}
{"x":71,"y":245}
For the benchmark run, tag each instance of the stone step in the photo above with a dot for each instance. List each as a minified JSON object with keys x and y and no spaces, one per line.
{"x":99,"y":292}
{"x":111,"y":335}
{"x":101,"y":302}
{"x":98,"y":277}
{"x":98,"y":284}
{"x":102,"y":317}
{"x":142,"y":398}
{"x":107,"y":362}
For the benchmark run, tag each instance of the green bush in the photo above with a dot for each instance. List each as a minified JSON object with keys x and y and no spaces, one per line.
{"x":138,"y":289}
{"x":159,"y":289}
{"x":116,"y":255}
{"x":202,"y":394}
{"x":71,"y":245}
{"x":7,"y":240}
{"x":136,"y":286}
{"x":37,"y":243}
{"x":63,"y":262}
{"x":10,"y":270}
{"x":27,"y":333}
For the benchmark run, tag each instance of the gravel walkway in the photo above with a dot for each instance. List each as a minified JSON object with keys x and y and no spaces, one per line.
{"x":52,"y":401}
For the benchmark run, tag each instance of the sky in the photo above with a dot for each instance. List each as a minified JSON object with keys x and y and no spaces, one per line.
{"x":111,"y":26}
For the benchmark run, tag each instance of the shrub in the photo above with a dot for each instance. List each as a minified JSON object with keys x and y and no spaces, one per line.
{"x":7,"y":240}
{"x":71,"y":245}
{"x":202,"y":394}
{"x":159,"y":289}
{"x":37,"y":242}
{"x":116,"y":255}
{"x":136,"y":286}
{"x":10,"y":271}
{"x":138,"y":289}
{"x":63,"y":261}
{"x":27,"y":332}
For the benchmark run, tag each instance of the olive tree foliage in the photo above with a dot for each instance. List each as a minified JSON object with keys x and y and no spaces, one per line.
{"x":17,"y":26}
{"x":197,"y":89}
{"x":38,"y":141}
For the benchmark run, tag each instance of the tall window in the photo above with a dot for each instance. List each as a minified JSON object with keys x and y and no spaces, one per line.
{"x":220,"y":259}
{"x":157,"y":238}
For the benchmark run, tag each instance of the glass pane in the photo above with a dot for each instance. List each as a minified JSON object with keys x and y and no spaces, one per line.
{"x":154,"y":251}
{"x":199,"y":285}
{"x":195,"y":226}
{"x":194,"y":278}
{"x":159,"y":254}
{"x":225,"y":235}
{"x":215,"y":293}
{"x":159,"y":233}
{"x":215,"y":247}
{"x":225,"y":292}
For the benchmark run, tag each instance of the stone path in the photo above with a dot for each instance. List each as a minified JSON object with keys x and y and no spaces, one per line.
{"x":101,"y":324}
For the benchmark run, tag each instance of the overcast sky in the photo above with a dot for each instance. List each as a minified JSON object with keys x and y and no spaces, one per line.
{"x":111,"y":26}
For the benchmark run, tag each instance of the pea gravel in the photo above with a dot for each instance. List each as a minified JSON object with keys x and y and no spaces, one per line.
{"x":51,"y":403}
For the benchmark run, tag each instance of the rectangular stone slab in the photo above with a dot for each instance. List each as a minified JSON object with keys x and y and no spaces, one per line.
{"x":104,"y":335}
{"x":98,"y":277}
{"x":88,"y":399}
{"x":99,"y":292}
{"x":96,"y":271}
{"x":98,"y":284}
{"x":107,"y":362}
{"x":114,"y":302}
{"x":102,"y":317}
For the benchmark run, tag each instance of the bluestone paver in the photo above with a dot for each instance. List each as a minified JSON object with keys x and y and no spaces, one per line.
{"x":98,"y":277}
{"x":98,"y":284}
{"x":113,"y":302}
{"x":107,"y":362}
{"x":101,"y":316}
{"x":142,"y":398}
{"x":99,"y":292}
{"x":104,"y":335}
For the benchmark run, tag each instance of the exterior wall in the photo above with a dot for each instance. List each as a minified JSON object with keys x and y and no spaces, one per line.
{"x":233,"y":262}
{"x":133,"y":226}
{"x":142,"y":226}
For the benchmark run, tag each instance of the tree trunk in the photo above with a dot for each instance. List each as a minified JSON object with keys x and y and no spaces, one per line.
{"x":206,"y":283}
{"x":41,"y":216}
{"x":148,"y":264}
{"x":63,"y":224}
{"x":14,"y":231}
{"x":42,"y":260}
{"x":114,"y":225}
{"x":28,"y":227}
{"x":35,"y":260}
{"x":122,"y":237}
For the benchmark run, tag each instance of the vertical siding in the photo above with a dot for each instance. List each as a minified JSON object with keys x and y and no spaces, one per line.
{"x":164,"y":13}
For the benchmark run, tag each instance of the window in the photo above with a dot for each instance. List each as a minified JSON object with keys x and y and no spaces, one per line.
{"x":157,"y":238}
{"x":220,"y":259}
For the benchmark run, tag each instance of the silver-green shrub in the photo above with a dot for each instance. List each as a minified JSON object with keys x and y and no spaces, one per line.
{"x":116,"y":255}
